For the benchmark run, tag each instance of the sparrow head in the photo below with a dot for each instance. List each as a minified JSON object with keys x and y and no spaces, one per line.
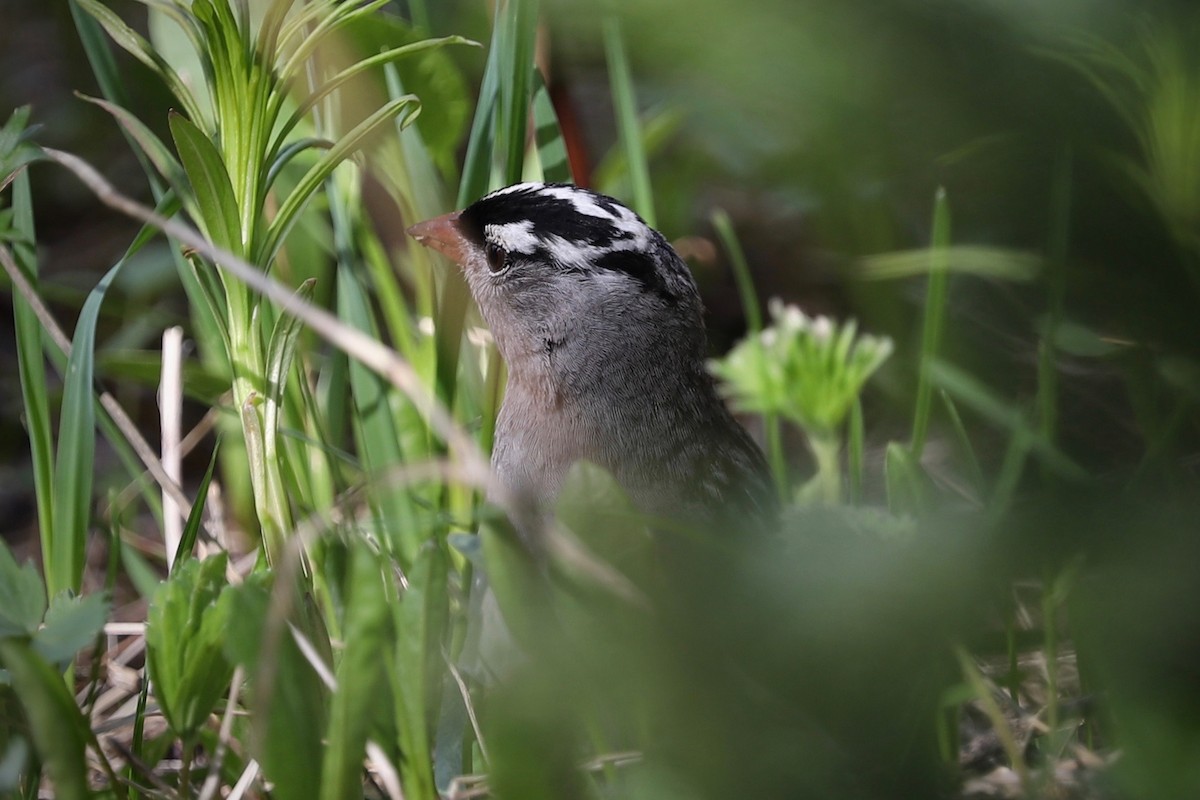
{"x":548,"y":263}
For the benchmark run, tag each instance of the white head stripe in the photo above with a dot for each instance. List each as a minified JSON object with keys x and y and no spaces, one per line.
{"x":514,"y":237}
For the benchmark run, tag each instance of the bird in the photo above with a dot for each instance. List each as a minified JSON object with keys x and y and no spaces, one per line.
{"x":601,"y":326}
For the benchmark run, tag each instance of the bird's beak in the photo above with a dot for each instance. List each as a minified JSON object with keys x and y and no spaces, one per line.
{"x":443,"y":235}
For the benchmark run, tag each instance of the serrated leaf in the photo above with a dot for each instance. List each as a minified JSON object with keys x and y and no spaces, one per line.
{"x":185,"y":634}
{"x":22,"y":596}
{"x":210,"y":183}
{"x":71,"y":625}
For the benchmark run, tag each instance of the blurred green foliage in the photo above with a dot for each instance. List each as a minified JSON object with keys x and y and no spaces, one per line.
{"x":1046,"y":365}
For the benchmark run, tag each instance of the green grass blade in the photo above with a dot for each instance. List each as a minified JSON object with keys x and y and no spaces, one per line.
{"x":420,"y":622}
{"x":658,"y":127}
{"x":146,"y":141}
{"x":360,"y":677}
{"x":137,"y":46}
{"x":629,"y":130}
{"x":477,"y":165}
{"x":379,"y":438}
{"x":984,"y":402}
{"x":1056,"y":253}
{"x":967,"y":450}
{"x":76,"y":449}
{"x":723,"y":225}
{"x":999,"y":263}
{"x":855,"y":457}
{"x":31,"y":364}
{"x":551,"y":148}
{"x":935,"y":314}
{"x":519,"y":18}
{"x":290,"y":209}
{"x":192,"y":528}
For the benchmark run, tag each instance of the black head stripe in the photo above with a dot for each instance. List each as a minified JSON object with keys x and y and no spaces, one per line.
{"x":579,"y":230}
{"x":640,"y":266}
{"x":551,"y":214}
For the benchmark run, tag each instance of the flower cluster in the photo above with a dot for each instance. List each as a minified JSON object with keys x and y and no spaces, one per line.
{"x":809,"y":370}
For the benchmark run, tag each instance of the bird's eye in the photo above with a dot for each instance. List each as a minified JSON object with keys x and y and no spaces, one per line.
{"x":496,"y":257}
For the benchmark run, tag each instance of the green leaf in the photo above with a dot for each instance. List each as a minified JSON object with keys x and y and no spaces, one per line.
{"x":625,"y":106}
{"x":74,"y":461}
{"x":518,"y":23}
{"x":15,"y":149}
{"x":280,"y":352}
{"x":386,"y":57}
{"x":59,"y":729}
{"x":434,"y":75}
{"x":552,"y":150}
{"x":420,"y":622}
{"x":185,"y":632}
{"x":192,"y":528}
{"x":210,"y":184}
{"x":981,"y":261}
{"x":136,"y":45}
{"x":360,"y":678}
{"x":477,"y":164}
{"x":289,"y":707}
{"x":594,"y":507}
{"x":935,"y":314}
{"x":31,"y":365}
{"x":144,"y":367}
{"x":905,"y":479}
{"x":375,"y":428}
{"x":71,"y":625}
{"x":290,"y":209}
{"x":158,"y":153}
{"x":22,"y":596}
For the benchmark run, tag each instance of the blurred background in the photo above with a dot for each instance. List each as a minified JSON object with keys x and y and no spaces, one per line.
{"x":1066,"y":135}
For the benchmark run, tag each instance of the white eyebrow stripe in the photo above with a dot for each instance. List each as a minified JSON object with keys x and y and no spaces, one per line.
{"x":516,"y":187}
{"x":514,"y":237}
{"x":580,"y":200}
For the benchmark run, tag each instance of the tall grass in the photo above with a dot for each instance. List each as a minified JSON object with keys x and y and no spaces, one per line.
{"x":357,"y":395}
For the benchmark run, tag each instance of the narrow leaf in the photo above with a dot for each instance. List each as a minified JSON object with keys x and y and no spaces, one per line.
{"x":316,"y":175}
{"x":210,"y":183}
{"x":625,"y":106}
{"x":551,"y":147}
{"x":192,"y":528}
{"x":31,"y":365}
{"x":137,"y":46}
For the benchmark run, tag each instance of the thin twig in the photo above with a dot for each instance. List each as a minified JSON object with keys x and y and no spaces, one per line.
{"x":213,"y":782}
{"x":170,"y":412}
{"x":468,"y":704}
